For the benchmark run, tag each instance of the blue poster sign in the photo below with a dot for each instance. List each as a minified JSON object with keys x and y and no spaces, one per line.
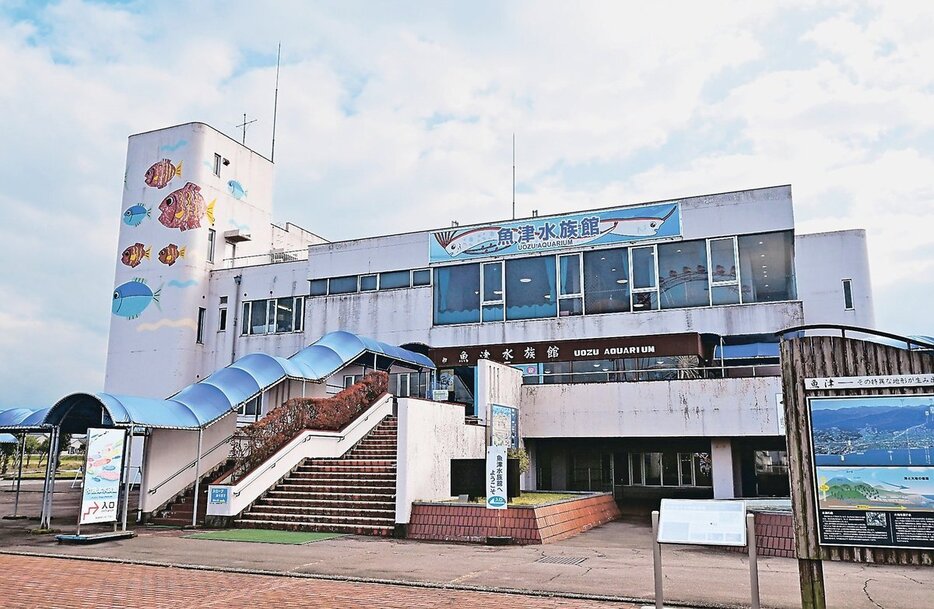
{"x":603,"y":227}
{"x":220,"y":494}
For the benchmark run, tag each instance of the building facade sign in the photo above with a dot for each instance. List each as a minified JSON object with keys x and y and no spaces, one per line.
{"x":605,"y":227}
{"x":869,"y":382}
{"x":570,"y":350}
{"x":874,"y":473}
{"x":102,"y":472}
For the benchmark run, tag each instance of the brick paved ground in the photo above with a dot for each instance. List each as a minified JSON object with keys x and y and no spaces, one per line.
{"x":27,"y":581}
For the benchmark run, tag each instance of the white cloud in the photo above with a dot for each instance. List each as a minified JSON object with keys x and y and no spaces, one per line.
{"x":401,"y":117}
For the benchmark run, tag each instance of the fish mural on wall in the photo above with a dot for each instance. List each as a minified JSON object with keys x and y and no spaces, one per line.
{"x":170,"y":254}
{"x":161,"y":173}
{"x":134,"y":254}
{"x":184,"y":208}
{"x":131,"y":298}
{"x":236,"y":189}
{"x":134,"y":215}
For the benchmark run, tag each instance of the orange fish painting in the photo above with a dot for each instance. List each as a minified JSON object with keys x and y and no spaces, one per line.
{"x":134,"y":254}
{"x":161,"y":173}
{"x":184,"y":208}
{"x":170,"y":254}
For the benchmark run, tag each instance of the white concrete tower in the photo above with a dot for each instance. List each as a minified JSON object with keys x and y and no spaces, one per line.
{"x":191,"y":198}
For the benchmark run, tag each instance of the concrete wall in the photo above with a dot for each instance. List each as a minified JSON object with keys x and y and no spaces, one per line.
{"x":702,"y":407}
{"x":822,"y":262}
{"x":430,"y":435}
{"x":160,"y":339}
{"x":169,"y":450}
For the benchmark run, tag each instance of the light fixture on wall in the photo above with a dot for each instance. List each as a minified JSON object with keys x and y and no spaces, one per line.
{"x":622,"y":281}
{"x":525,"y":280}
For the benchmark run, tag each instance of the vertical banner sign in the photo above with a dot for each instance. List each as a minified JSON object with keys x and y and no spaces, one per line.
{"x":496,"y":477}
{"x":102,"y":475}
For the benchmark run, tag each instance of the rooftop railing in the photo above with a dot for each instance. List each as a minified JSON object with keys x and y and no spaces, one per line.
{"x":654,"y":374}
{"x":271,"y":257}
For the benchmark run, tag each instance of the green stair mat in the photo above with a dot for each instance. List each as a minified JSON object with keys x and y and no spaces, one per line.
{"x":264,"y":536}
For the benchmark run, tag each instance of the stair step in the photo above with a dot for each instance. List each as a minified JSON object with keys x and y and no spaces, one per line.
{"x":321,"y":518}
{"x":329,"y":503}
{"x":317,"y":512}
{"x":322,"y":496}
{"x":379,"y":530}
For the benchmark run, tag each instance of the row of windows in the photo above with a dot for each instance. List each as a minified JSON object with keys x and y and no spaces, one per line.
{"x":350,"y":284}
{"x":273,"y":316}
{"x":666,"y":469}
{"x":704,"y":272}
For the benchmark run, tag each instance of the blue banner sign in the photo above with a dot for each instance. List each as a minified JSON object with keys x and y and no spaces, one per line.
{"x":604,"y":227}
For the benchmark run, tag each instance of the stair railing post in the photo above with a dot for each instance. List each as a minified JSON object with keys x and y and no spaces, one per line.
{"x":194,"y":513}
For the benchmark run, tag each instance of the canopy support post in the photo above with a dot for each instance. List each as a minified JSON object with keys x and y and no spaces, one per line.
{"x":48,"y":489}
{"x":194,"y":513}
{"x":127,"y":483}
{"x":19,"y":474}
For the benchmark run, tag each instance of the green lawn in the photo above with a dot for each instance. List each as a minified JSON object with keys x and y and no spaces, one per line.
{"x":264,"y":536}
{"x":533,"y":498}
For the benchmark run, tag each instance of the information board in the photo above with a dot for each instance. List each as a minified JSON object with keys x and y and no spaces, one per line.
{"x":102,"y":473}
{"x":874,"y":474}
{"x":706,"y":522}
{"x":504,"y":425}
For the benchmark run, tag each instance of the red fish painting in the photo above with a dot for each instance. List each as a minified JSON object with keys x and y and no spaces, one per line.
{"x":184,"y":208}
{"x":170,"y":253}
{"x":134,"y":254}
{"x":161,"y":173}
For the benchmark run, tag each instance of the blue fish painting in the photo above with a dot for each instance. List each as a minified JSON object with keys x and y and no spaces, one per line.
{"x":132,"y":298}
{"x":136,"y":214}
{"x":236,"y":189}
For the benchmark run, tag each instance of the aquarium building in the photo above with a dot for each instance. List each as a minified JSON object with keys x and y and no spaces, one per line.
{"x":638,"y":339}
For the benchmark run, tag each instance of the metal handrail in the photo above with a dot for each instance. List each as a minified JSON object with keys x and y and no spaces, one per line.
{"x":271,"y":255}
{"x":844,"y":329}
{"x":645,"y":371}
{"x":311,"y":433}
{"x":153,"y":490}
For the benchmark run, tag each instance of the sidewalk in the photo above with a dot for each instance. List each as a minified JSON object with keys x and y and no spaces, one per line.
{"x":617,"y":562}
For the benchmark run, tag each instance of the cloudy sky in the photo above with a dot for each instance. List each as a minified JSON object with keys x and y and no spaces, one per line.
{"x":399,"y":116}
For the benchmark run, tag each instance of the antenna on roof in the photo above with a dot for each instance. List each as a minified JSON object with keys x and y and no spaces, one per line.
{"x":275,"y":106}
{"x":244,"y":125}
{"x":513,"y":176}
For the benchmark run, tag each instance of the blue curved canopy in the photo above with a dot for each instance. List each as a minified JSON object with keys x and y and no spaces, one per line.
{"x":206,"y":401}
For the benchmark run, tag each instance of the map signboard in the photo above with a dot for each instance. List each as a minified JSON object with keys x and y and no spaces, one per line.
{"x":102,"y":472}
{"x":874,"y":473}
{"x":504,"y":426}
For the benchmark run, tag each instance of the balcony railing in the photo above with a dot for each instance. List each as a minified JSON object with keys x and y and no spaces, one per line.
{"x":654,"y":374}
{"x":271,"y":257}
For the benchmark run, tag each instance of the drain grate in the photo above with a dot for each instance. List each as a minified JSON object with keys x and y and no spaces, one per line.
{"x":561,"y":560}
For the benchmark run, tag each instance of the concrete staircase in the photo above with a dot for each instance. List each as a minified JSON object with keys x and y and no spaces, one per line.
{"x":178,"y":511}
{"x":355,"y":493}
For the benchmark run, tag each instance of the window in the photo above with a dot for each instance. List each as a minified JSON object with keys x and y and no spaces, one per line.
{"x":318,"y":287}
{"x":342,"y":285}
{"x":200,"y":335}
{"x":848,"y":294}
{"x":276,"y":315}
{"x":251,"y":408}
{"x":644,"y":279}
{"x":530,"y":288}
{"x":211,"y":238}
{"x":606,"y":281}
{"x":217,"y":164}
{"x":222,"y":319}
{"x":668,"y":468}
{"x":766,"y":267}
{"x":457,"y":294}
{"x":570,"y":289}
{"x":421,"y":277}
{"x":367,"y":283}
{"x":683,"y":278}
{"x":724,"y":281}
{"x":394,"y":279}
{"x":492,"y":296}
